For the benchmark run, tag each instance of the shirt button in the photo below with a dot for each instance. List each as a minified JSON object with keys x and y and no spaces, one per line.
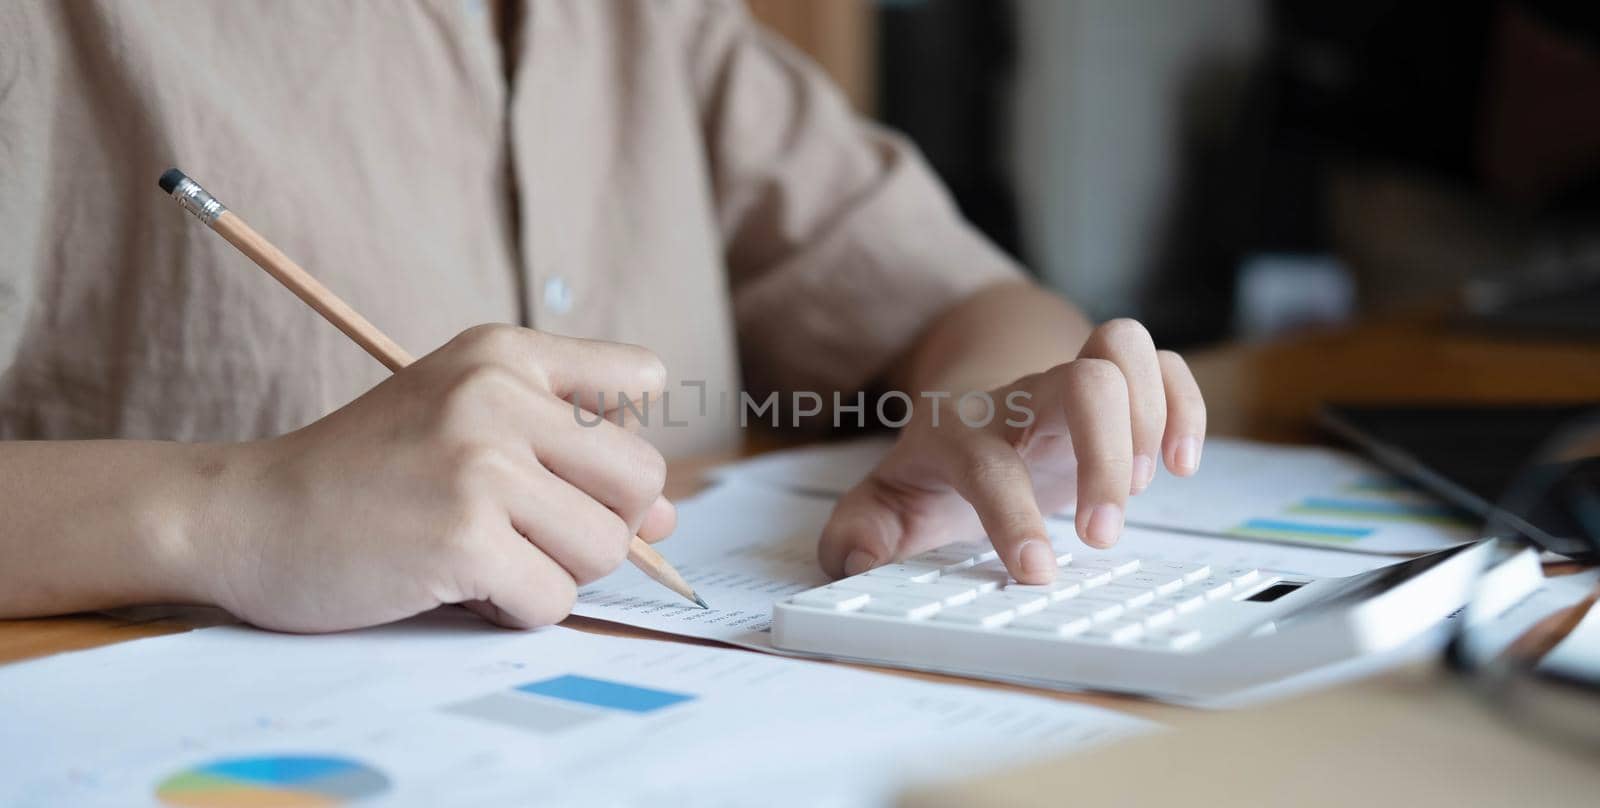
{"x":557,"y":295}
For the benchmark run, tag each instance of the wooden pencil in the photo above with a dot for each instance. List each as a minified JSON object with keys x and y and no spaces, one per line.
{"x":241,"y":235}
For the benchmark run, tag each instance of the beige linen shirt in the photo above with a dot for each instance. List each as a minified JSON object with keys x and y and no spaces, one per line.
{"x":656,"y":172}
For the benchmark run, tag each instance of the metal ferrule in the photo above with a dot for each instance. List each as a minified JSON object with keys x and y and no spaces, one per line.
{"x":194,"y":199}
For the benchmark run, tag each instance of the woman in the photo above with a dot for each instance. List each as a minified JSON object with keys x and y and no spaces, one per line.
{"x":605,"y":176}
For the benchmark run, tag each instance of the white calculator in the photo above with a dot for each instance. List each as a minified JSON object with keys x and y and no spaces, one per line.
{"x":1125,"y":622}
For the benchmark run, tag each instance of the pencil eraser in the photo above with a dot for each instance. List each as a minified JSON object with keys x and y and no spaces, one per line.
{"x":170,"y":179}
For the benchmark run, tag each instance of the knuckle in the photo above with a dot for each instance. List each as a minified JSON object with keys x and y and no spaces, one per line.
{"x":486,"y":376}
{"x":1184,"y":391}
{"x":609,"y":549}
{"x":651,"y":469}
{"x":484,"y":335}
{"x":1013,"y":522}
{"x":470,"y":466}
{"x":1095,"y":373}
{"x":492,"y":338}
{"x":988,"y":469}
{"x":615,"y":540}
{"x":1194,"y":405}
{"x":1106,"y":465}
{"x":652,"y":372}
{"x":558,"y":599}
{"x":1148,"y":415}
{"x":1125,"y":331}
{"x":475,"y":384}
{"x":460,"y":546}
{"x":1171,"y":358}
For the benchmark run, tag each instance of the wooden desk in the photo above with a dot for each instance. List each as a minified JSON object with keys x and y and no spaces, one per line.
{"x":1266,"y":391}
{"x":1270,"y":390}
{"x":1414,"y":738}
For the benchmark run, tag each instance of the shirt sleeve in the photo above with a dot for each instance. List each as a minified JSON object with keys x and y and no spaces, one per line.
{"x":842,"y":245}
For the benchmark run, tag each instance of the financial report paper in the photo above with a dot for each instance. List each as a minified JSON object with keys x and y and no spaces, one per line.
{"x":445,"y":710}
{"x":1308,"y":495}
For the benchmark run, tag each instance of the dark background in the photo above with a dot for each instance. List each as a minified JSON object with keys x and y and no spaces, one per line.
{"x":1414,"y":155}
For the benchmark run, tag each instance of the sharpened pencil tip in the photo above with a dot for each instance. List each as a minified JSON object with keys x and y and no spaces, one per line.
{"x":702,"y":603}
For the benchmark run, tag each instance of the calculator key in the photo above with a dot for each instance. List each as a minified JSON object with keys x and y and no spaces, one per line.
{"x":1115,"y":632}
{"x":1089,"y":578}
{"x":1214,"y":588}
{"x":978,"y":614}
{"x":979,"y":552}
{"x":950,"y":593}
{"x":1161,"y":584}
{"x":1099,"y":611}
{"x":1074,"y":606}
{"x":838,"y":600}
{"x":1176,"y":639}
{"x":945,"y":591}
{"x":951,"y":552}
{"x":1057,"y":590}
{"x":1188,"y":571}
{"x":1151,"y":616}
{"x":1116,"y":565}
{"x":977,"y":579}
{"x":908,"y":572}
{"x":905,"y":608}
{"x":1132,"y":597}
{"x":946,"y":560}
{"x":1060,"y":625}
{"x":1183,"y":602}
{"x":943,"y":555}
{"x":1022,"y":602}
{"x":1241,"y":575}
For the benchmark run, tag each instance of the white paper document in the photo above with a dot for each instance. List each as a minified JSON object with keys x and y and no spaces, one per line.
{"x":444,"y":710}
{"x":1301,"y":495}
{"x":1295,"y":494}
{"x":827,"y":469}
{"x":744,"y":547}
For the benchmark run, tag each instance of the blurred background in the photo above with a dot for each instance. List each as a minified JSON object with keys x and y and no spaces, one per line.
{"x":1242,"y":168}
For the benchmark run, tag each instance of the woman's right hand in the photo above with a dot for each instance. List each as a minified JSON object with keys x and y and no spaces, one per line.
{"x":467,"y":478}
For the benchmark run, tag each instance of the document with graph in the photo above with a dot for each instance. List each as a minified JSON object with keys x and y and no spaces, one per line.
{"x":1302,"y":495}
{"x":1248,"y":490}
{"x":445,"y":710}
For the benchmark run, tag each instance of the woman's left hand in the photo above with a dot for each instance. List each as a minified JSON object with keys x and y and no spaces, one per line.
{"x":1090,"y":431}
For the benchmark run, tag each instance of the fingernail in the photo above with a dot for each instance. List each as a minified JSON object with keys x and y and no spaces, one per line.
{"x":1036,"y":559}
{"x":1105,"y":525}
{"x":1187,"y":455}
{"x":1144,"y":470}
{"x":859,"y":561}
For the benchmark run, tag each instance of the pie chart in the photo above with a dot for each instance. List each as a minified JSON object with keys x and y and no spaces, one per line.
{"x":289,"y":781}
